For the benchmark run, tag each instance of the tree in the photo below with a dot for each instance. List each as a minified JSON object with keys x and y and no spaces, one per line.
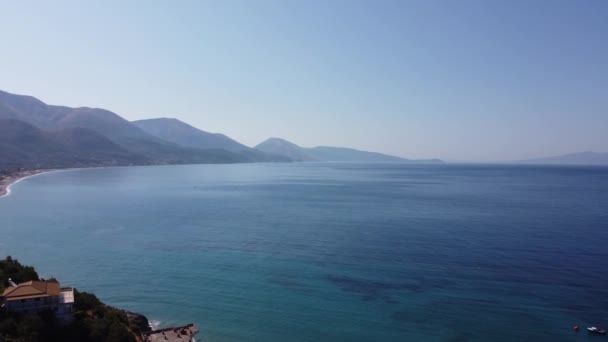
{"x":118,"y":333}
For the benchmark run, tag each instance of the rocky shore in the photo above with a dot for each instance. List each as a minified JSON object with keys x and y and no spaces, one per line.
{"x":146,"y":334}
{"x":174,"y":334}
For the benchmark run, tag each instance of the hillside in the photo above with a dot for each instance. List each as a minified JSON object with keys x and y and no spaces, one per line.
{"x":182,"y":134}
{"x":285,"y":148}
{"x":85,"y":136}
{"x":185,"y":135}
{"x":23,"y":145}
{"x":50,"y":118}
{"x":329,"y":154}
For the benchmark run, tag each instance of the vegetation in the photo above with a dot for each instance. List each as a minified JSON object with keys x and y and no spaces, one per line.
{"x":93,"y":320}
{"x":11,"y":268}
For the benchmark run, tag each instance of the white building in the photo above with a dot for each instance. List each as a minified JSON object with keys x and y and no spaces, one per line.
{"x":39,"y":296}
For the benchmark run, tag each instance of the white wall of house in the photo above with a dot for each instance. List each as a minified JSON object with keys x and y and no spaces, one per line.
{"x":61,"y":305}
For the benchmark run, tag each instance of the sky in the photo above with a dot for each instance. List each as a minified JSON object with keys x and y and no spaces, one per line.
{"x":457,"y":80}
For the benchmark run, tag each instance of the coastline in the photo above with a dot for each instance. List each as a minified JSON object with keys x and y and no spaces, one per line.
{"x":10,"y":179}
{"x":6,"y":181}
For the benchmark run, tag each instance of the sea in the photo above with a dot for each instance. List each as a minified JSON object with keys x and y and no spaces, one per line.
{"x":327,"y":251}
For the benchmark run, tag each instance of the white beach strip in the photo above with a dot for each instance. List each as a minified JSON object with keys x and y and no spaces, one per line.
{"x":8,"y":187}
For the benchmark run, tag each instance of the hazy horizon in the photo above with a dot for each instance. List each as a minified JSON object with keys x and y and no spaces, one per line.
{"x":466,"y":81}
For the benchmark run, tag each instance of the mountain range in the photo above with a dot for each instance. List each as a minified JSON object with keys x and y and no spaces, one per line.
{"x":34,"y":134}
{"x":109,"y":133}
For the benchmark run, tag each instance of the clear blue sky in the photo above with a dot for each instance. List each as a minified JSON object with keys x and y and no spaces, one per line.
{"x":458,"y":80}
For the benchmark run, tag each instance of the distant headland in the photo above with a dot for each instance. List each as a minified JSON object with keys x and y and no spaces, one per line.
{"x":578,"y":158}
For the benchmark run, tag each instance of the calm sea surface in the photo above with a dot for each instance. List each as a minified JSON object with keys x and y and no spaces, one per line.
{"x":328,"y":252}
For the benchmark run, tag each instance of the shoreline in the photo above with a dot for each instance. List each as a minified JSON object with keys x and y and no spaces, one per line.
{"x":9,"y":180}
{"x":12,"y":178}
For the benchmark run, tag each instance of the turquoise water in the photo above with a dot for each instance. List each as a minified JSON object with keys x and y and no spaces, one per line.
{"x":328,"y":252}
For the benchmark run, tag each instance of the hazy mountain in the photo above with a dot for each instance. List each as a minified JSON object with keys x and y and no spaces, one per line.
{"x":53,"y":135}
{"x":580,"y":158}
{"x":185,"y":135}
{"x":326,"y":153}
{"x":110,"y":125}
{"x":148,"y":148}
{"x":23,"y":145}
{"x":181,"y":133}
{"x":28,"y":109}
{"x":285,"y":148}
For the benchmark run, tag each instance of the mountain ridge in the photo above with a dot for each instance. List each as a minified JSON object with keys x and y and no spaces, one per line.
{"x":86,"y":136}
{"x":181,"y":133}
{"x":24,"y":145}
{"x":145,"y":149}
{"x":186,"y":135}
{"x":328,"y":153}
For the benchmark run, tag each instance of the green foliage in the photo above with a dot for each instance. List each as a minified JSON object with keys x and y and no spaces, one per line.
{"x":96,"y":322}
{"x":12,"y":268}
{"x":8,"y":325}
{"x":118,"y":333}
{"x":84,"y":301}
{"x":33,"y":327}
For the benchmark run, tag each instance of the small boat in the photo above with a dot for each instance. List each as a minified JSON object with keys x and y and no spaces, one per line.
{"x":596,"y":330}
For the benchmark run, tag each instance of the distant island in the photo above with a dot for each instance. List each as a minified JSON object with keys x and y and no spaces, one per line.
{"x":579,"y":158}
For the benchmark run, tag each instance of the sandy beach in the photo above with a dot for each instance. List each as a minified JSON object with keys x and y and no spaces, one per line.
{"x":7,"y":180}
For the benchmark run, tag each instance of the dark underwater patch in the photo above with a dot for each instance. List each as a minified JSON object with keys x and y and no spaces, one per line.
{"x":458,"y":337}
{"x":407,"y":317}
{"x":284,"y":281}
{"x":371,"y":290}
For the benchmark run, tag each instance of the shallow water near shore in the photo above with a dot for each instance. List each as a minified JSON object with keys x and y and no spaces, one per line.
{"x":328,"y":252}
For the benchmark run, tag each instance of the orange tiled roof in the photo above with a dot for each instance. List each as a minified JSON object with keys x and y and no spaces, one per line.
{"x":32,"y":289}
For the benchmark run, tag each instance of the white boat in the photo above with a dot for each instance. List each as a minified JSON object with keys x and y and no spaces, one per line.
{"x":596,"y":330}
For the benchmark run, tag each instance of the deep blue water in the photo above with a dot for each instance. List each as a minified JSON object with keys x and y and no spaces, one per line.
{"x":328,"y":252}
